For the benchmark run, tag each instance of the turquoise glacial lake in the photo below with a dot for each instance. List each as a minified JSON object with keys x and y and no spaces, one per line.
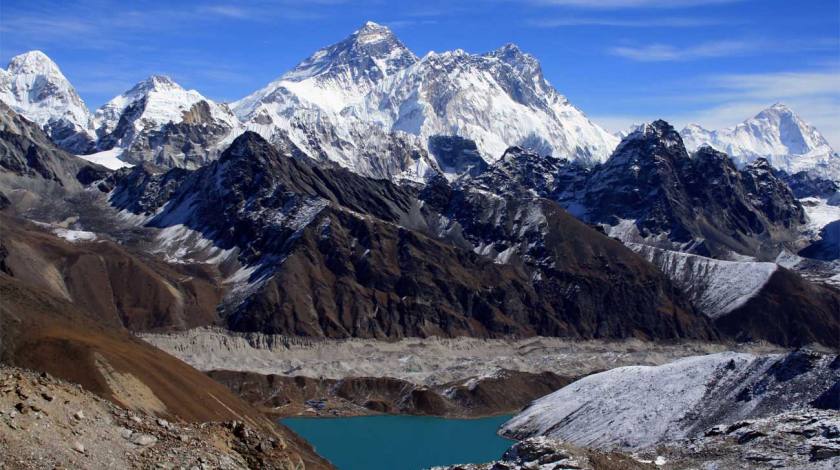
{"x":402,"y":442}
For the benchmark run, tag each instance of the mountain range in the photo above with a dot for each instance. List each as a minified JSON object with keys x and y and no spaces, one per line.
{"x":376,"y":205}
{"x":369,"y":104}
{"x":299,"y":248}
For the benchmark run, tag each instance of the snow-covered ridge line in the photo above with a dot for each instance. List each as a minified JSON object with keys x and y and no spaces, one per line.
{"x":716,"y":287}
{"x":639,"y":407}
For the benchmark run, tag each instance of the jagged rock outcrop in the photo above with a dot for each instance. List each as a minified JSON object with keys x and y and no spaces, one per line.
{"x":804,"y":184}
{"x":544,"y":452}
{"x":652,"y":191}
{"x":521,"y":170}
{"x":33,"y":170}
{"x":456,"y":156}
{"x":702,"y":203}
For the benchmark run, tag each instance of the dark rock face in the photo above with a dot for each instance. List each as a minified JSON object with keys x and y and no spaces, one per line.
{"x":771,"y":196}
{"x":827,"y":248}
{"x":457,"y":155}
{"x":338,"y":255}
{"x":67,"y":137}
{"x":641,"y":181}
{"x":520,"y":170}
{"x":30,"y":161}
{"x":703,"y":202}
{"x":582,"y":275}
{"x":700,"y":203}
{"x":190,"y":143}
{"x":830,"y":400}
{"x":804,"y":184}
{"x":144,"y":188}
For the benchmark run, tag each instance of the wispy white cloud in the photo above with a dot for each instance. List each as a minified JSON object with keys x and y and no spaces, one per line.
{"x":229,"y":11}
{"x":664,"y":22}
{"x":724,"y":48}
{"x":666,"y":52}
{"x":622,"y":4}
{"x":87,"y":24}
{"x":789,"y":84}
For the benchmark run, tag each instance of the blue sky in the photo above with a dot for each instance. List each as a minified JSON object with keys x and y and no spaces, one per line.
{"x":715,"y":62}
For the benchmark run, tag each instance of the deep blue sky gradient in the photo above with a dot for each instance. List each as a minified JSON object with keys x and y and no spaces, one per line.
{"x":620,"y":61}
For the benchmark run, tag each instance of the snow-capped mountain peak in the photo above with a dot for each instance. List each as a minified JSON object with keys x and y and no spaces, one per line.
{"x":525,"y":64}
{"x":776,"y":133}
{"x":370,"y":84}
{"x":34,"y":87}
{"x":372,"y":52}
{"x":332,"y":78}
{"x":142,"y":124}
{"x":498,"y":99}
{"x":372,"y":32}
{"x":153,"y":102}
{"x":156,"y":82}
{"x":34,"y":62}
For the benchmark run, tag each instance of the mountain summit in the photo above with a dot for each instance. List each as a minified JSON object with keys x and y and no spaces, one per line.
{"x":337,"y":75}
{"x":158,"y":120}
{"x":777,"y":134}
{"x":369,"y":92}
{"x":369,"y":54}
{"x":33,"y":86}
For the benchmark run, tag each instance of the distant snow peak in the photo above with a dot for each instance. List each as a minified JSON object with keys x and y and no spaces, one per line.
{"x":34,"y":87}
{"x":372,"y":32}
{"x":33,"y":62}
{"x":157,"y":82}
{"x":777,"y":134}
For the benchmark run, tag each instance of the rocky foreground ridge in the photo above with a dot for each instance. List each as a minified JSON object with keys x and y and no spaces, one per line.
{"x":49,"y":423}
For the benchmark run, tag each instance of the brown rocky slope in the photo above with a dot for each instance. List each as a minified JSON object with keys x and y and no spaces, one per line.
{"x":43,"y":331}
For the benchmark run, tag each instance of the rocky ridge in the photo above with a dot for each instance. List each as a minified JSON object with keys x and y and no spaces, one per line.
{"x":542,"y":453}
{"x":46,"y":422}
